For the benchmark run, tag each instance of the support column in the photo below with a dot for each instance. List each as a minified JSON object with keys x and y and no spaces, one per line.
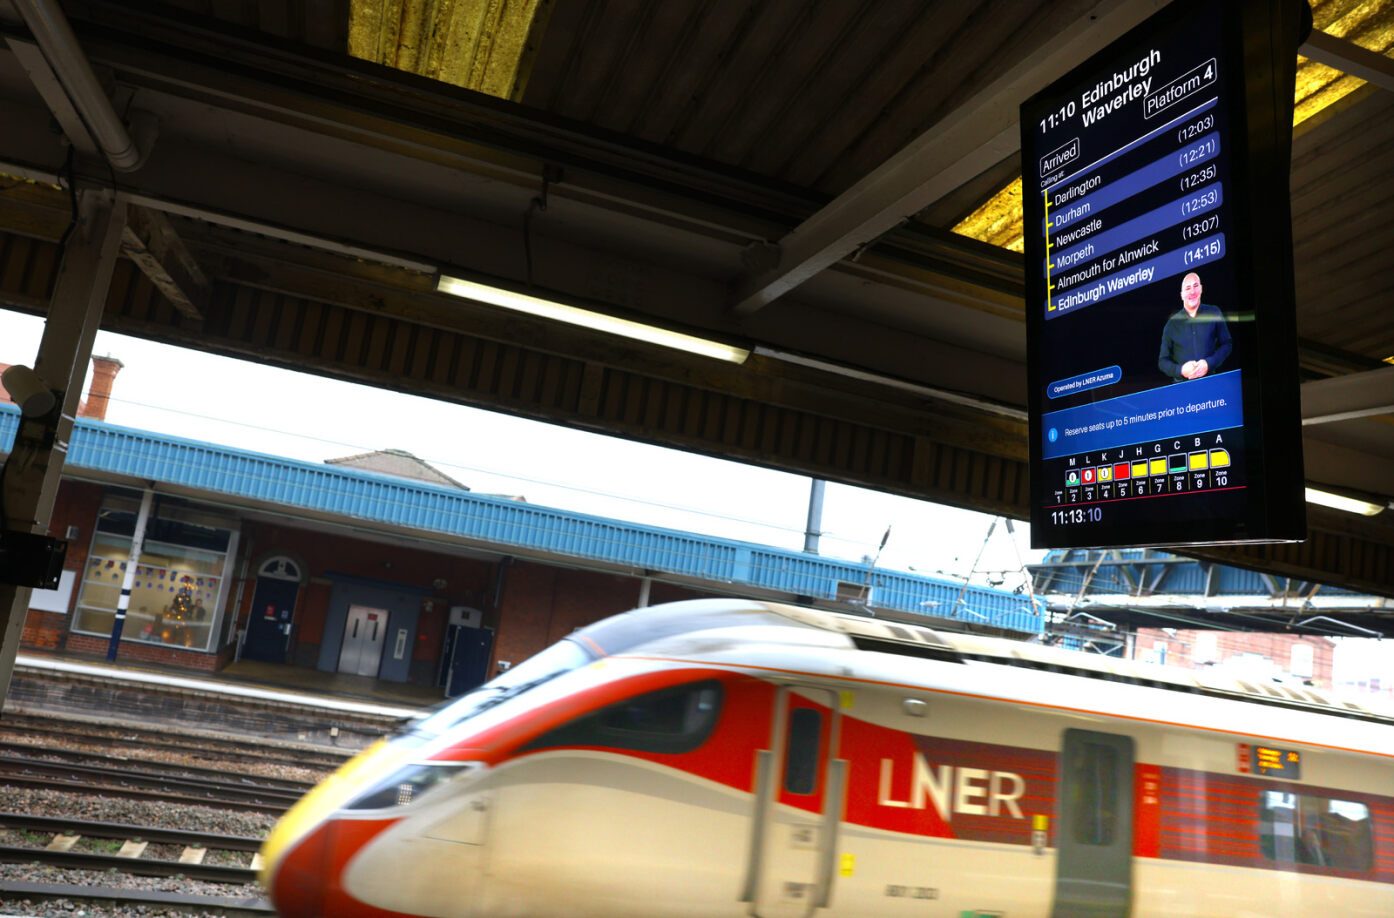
{"x":813,"y":529}
{"x":123,"y":603}
{"x":74,"y":313}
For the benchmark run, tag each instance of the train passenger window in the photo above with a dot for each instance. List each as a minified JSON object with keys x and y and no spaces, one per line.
{"x":1093,"y":806}
{"x":1318,"y":831}
{"x":801,"y":752}
{"x":670,"y":720}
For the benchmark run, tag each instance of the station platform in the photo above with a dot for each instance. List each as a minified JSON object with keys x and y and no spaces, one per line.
{"x":336,"y":685}
{"x":253,"y":679}
{"x":273,"y":703}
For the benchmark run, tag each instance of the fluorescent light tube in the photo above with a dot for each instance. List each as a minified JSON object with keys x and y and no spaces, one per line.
{"x":1341,"y":502}
{"x":597,"y":321}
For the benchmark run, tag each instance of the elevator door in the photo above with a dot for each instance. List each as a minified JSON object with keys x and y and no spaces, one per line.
{"x":363,"y":636}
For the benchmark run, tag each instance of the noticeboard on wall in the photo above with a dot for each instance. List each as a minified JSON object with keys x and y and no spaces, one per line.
{"x":1160,"y":309}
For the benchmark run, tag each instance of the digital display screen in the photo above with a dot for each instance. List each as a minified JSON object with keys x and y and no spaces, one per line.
{"x":1145,"y":328}
{"x":1270,"y":761}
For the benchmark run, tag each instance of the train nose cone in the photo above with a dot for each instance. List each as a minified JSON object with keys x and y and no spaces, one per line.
{"x":308,"y":880}
{"x":304,"y":853}
{"x":296,"y":885}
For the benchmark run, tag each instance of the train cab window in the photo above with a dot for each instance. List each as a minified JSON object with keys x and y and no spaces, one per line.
{"x":562,"y":657}
{"x":671,"y":720}
{"x":801,"y":752}
{"x":1317,"y":831}
{"x":1093,"y":805}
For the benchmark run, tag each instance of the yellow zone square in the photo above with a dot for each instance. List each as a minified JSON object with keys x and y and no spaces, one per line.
{"x":1200,"y":460}
{"x":1105,"y":473}
{"x":1140,"y":469}
{"x":1157,"y":466}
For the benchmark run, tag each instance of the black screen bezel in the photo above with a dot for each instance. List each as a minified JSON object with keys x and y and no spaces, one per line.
{"x":1258,"y":92}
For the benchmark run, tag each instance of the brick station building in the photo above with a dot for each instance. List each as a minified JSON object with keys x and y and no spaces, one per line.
{"x":380,"y":565}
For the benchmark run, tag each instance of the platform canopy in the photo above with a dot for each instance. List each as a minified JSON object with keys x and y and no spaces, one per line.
{"x":828,"y":186}
{"x":1091,"y":595}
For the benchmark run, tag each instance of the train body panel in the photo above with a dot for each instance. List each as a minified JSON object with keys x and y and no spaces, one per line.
{"x":1177,"y":889}
{"x":796,"y":767}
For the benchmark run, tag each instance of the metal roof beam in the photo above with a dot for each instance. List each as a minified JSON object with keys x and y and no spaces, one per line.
{"x":1348,"y":57}
{"x":54,"y":96}
{"x":981,"y":132}
{"x":1342,"y":398}
{"x":152,"y":243}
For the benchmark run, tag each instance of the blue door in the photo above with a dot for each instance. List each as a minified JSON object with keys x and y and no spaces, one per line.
{"x":268,"y":628}
{"x":469,"y":659}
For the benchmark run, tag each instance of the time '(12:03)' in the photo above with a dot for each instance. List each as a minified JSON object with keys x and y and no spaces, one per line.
{"x":1073,"y":516}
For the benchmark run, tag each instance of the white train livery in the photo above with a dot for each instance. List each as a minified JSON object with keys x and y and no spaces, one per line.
{"x":740,"y":758}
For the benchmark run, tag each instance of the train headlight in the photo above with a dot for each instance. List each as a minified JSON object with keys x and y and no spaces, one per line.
{"x":409,"y":783}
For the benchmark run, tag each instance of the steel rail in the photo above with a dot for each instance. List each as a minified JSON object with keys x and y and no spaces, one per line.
{"x":175,"y":769}
{"x":240,"y":749}
{"x":84,"y":860}
{"x":22,"y":765}
{"x":60,"y":825}
{"x":224,"y":906}
{"x":131,"y":793}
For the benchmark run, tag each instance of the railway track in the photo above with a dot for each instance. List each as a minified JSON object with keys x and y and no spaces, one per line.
{"x":157,"y":902}
{"x":142,"y":784}
{"x":59,"y":842}
{"x":224,"y":748}
{"x":174,"y":770}
{"x":66,"y":835}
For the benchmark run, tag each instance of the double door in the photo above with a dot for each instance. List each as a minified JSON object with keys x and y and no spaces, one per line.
{"x":364,"y":631}
{"x":800,"y":790}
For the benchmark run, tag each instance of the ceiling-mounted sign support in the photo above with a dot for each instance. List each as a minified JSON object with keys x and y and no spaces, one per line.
{"x":1162,"y":360}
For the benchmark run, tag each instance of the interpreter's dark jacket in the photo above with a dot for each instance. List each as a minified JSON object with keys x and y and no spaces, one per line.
{"x":1206,"y":337}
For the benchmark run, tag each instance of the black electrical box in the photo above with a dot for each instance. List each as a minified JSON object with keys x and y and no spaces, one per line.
{"x":31,"y":560}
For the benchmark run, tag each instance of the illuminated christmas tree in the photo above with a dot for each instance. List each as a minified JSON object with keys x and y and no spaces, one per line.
{"x":180,"y":610}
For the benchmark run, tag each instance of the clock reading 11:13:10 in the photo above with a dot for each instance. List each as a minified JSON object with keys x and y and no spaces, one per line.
{"x":1072,"y":515}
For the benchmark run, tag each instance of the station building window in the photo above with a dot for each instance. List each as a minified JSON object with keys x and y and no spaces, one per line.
{"x":1303,"y":660}
{"x":1316,"y":831}
{"x":180,"y":578}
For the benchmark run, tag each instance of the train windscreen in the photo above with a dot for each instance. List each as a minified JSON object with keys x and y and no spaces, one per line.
{"x":561,"y":657}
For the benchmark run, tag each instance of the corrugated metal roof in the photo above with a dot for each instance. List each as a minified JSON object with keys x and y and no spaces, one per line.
{"x":478,"y":44}
{"x":998,"y":220}
{"x":504,"y":523}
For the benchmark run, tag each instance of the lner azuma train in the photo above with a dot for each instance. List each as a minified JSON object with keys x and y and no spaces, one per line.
{"x":728,"y":758}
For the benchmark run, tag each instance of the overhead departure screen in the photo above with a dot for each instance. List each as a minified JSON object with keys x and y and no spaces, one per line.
{"x":1144,"y":343}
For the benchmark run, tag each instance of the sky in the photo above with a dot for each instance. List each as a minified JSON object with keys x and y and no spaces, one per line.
{"x":250,"y":406}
